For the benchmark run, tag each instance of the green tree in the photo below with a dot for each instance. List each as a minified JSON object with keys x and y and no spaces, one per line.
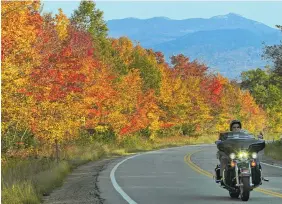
{"x":262,"y":87}
{"x":90,"y":19}
{"x":257,"y":82}
{"x":252,"y":78}
{"x":147,"y":64}
{"x":274,"y":53}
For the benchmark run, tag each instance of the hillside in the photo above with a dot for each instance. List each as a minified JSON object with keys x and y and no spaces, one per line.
{"x":228,"y":43}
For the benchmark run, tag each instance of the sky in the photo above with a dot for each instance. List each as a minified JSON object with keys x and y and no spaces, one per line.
{"x":265,"y":12}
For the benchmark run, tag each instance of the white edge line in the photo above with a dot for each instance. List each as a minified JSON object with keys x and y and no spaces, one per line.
{"x":115,"y":184}
{"x":280,"y":167}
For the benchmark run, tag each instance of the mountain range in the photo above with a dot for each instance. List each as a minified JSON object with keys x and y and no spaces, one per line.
{"x":228,"y":44}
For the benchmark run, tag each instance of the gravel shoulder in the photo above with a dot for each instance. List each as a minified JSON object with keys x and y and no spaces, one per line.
{"x":80,"y":186}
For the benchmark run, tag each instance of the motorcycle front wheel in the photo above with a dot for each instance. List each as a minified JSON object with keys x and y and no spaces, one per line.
{"x":245,"y":189}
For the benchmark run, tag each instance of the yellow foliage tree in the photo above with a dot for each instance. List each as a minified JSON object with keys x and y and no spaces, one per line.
{"x":62,"y":23}
{"x":20,"y":27}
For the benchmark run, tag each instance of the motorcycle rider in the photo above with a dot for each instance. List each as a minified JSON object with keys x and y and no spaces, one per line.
{"x":235,"y":126}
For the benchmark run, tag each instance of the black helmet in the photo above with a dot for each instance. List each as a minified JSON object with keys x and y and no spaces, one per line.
{"x":235,"y":122}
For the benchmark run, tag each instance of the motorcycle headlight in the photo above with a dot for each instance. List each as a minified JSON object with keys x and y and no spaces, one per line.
{"x":254,"y":155}
{"x":232,"y":156}
{"x":243,"y":155}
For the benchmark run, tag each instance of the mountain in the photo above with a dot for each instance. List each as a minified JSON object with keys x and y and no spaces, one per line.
{"x":227,"y":43}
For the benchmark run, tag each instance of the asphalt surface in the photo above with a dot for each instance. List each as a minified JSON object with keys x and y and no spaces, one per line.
{"x":177,"y":175}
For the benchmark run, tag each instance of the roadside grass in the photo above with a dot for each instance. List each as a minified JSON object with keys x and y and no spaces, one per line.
{"x":274,"y":150}
{"x":26,"y":181}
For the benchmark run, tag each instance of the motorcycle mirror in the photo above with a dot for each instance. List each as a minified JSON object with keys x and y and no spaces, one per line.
{"x":217,"y":141}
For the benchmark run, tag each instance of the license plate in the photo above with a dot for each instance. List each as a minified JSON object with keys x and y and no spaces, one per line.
{"x":245,"y":171}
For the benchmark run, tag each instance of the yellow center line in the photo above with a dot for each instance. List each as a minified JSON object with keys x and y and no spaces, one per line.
{"x":198,"y":169}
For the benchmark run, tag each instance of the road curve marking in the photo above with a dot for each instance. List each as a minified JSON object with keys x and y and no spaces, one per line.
{"x":112,"y":174}
{"x":115,"y":184}
{"x":113,"y":179}
{"x":196,"y":168}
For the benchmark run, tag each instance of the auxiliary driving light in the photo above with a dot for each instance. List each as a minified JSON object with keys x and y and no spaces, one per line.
{"x":254,"y":155}
{"x":232,"y":156}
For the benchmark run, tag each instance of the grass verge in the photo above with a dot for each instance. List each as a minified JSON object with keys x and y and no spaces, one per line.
{"x":26,"y":181}
{"x":274,"y":150}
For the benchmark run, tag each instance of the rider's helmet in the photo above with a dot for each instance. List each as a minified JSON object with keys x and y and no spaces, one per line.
{"x":235,"y":122}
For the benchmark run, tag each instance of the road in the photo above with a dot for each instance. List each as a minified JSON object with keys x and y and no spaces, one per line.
{"x":175,"y":176}
{"x":168,"y":176}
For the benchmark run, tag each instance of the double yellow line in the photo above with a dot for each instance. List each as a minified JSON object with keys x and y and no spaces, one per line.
{"x":196,"y":168}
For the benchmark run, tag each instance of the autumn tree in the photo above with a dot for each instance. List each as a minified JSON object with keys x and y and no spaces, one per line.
{"x":122,"y":55}
{"x":146,"y":115}
{"x":58,"y":83}
{"x":99,"y":97}
{"x":184,"y":67}
{"x":129,"y":90}
{"x":20,"y":28}
{"x":181,"y":95}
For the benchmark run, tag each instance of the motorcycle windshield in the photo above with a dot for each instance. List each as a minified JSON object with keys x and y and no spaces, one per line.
{"x":236,"y":141}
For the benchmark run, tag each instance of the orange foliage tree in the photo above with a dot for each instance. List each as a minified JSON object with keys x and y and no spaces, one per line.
{"x":58,"y":83}
{"x":20,"y":28}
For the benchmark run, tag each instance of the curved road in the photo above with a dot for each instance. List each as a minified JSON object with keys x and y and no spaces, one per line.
{"x":177,"y":175}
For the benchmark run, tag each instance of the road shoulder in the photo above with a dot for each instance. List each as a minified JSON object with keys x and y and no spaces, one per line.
{"x":81,"y":186}
{"x":268,"y":160}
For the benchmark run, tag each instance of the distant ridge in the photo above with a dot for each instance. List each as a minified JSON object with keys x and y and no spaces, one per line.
{"x":227,"y":43}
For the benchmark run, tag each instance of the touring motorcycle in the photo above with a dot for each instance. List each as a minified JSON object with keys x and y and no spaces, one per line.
{"x":243,"y":172}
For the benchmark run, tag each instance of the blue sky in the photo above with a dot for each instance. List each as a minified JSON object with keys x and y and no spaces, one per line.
{"x":268,"y":13}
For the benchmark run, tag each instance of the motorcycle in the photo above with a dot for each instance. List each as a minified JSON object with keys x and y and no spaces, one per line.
{"x":243,"y":173}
